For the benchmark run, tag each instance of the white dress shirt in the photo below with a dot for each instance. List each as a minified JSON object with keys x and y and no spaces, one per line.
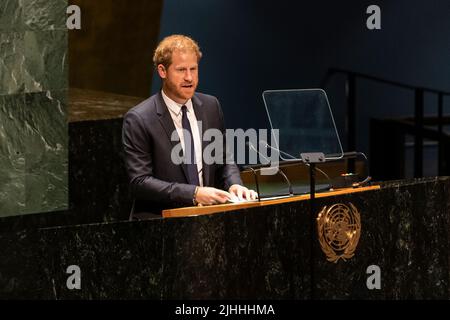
{"x":177,"y":116}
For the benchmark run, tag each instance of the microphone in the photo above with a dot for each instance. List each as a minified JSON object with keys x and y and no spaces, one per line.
{"x":351,"y":154}
{"x":291,"y":191}
{"x":266,"y":145}
{"x":251,"y":146}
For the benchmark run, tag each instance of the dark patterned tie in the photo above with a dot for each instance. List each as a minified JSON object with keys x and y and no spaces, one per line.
{"x":189,"y":151}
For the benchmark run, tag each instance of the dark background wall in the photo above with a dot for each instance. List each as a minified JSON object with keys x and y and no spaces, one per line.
{"x":113,"y":50}
{"x":251,"y":46}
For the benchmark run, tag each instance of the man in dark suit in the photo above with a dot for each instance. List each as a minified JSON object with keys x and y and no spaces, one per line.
{"x":157,"y":181}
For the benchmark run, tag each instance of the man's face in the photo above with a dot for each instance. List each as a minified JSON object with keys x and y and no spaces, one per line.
{"x":180,"y":79}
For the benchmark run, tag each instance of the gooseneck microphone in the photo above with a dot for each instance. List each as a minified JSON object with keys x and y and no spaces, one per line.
{"x":352,"y":154}
{"x":291,"y":190}
{"x":266,"y":145}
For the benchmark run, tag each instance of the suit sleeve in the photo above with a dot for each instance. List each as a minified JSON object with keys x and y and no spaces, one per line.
{"x":137,"y":144}
{"x":229,"y":172}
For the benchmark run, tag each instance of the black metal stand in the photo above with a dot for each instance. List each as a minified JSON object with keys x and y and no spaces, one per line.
{"x":311,"y":159}
{"x":279,"y":171}
{"x":256,"y":182}
{"x":312,"y":183}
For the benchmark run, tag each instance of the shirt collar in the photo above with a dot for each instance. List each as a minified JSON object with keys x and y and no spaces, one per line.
{"x":175,"y":107}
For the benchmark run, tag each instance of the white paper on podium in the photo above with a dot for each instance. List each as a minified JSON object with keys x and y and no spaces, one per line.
{"x":237,"y":200}
{"x":274,"y":198}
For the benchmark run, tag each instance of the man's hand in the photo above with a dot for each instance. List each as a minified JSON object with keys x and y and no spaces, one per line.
{"x":242,"y":192}
{"x":208,"y":196}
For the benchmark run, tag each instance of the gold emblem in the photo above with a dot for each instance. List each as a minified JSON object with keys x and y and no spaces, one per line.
{"x":339,"y":228}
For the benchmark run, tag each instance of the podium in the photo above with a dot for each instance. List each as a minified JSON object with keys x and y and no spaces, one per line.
{"x":248,"y":251}
{"x":202,"y":210}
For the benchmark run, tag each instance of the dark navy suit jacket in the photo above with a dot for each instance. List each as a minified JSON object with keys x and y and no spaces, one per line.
{"x":156,"y":182}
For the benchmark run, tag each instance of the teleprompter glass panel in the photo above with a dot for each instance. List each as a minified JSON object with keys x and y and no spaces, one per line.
{"x":305,"y":123}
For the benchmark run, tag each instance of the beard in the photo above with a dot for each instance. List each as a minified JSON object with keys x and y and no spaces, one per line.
{"x":179,"y":93}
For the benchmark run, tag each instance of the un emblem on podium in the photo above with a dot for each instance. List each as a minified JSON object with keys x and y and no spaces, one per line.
{"x":339,"y":229}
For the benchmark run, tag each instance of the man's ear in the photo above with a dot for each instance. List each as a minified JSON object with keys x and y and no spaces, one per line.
{"x":162,"y":71}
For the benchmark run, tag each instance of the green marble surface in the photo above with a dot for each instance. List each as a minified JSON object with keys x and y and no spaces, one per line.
{"x":12,"y":53}
{"x":11,"y":17}
{"x":36,"y":15}
{"x":46,"y":155}
{"x":33,"y":106}
{"x":33,"y":61}
{"x":12,"y":155}
{"x":45,"y":63}
{"x":33,"y":152}
{"x":44,"y":14}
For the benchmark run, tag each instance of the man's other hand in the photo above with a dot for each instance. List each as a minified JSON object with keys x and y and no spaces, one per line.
{"x":208,"y":196}
{"x":242,"y":192}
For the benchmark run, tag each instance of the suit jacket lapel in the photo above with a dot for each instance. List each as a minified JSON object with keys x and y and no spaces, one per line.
{"x":167,"y":123}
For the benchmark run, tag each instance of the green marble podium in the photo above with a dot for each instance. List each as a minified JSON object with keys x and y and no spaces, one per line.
{"x":250,"y":253}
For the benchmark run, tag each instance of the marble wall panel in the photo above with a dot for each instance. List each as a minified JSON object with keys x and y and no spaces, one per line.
{"x":12,"y":155}
{"x":11,"y":17}
{"x":12,"y":54}
{"x":45,"y":63}
{"x":33,"y":112}
{"x":44,"y":14}
{"x":46,"y":157}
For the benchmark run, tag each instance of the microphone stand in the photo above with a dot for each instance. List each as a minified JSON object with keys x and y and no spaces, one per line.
{"x":281,"y":172}
{"x":256,"y":182}
{"x":331,"y":158}
{"x":312,"y":159}
{"x":291,"y":190}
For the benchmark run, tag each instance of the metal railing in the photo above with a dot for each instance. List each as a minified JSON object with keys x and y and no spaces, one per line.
{"x":417,"y":128}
